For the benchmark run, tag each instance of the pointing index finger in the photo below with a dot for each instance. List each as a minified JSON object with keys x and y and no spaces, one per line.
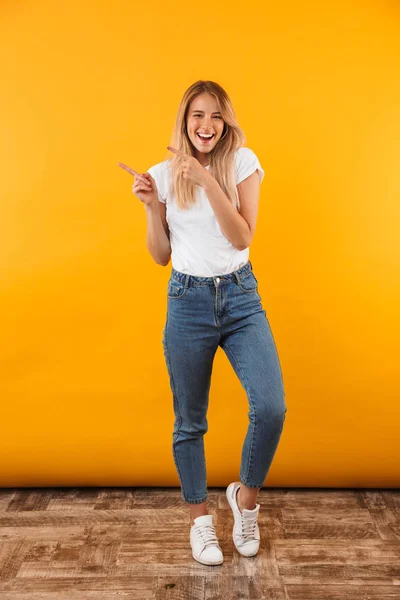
{"x":176,"y":151}
{"x":132,"y":172}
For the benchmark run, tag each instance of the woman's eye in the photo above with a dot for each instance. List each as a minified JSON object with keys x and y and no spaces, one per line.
{"x":216,"y":116}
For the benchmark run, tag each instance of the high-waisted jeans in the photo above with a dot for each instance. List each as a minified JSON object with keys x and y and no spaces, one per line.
{"x":204,"y":313}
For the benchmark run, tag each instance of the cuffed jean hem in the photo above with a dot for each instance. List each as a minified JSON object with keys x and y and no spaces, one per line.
{"x":199,"y":501}
{"x":250,"y":485}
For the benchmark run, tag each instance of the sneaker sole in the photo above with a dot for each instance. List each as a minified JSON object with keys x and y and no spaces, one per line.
{"x":206,"y":562}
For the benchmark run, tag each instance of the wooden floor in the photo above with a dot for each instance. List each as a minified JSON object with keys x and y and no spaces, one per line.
{"x":133,"y":543}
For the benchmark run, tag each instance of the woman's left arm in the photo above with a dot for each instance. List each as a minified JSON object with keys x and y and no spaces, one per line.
{"x":237,"y":226}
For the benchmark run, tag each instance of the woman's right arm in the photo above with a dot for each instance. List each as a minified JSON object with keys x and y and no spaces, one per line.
{"x":157,"y":238}
{"x":157,"y":235}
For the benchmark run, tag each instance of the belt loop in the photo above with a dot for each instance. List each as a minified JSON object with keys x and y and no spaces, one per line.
{"x":237,"y":276}
{"x":187,"y":280}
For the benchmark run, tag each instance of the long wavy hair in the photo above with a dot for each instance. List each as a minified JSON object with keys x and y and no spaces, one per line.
{"x":222,"y":156}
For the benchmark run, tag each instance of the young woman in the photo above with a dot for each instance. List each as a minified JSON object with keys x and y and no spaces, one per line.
{"x":201,"y":208}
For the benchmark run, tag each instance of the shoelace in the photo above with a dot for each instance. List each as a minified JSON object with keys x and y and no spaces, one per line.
{"x":207,"y":534}
{"x":248,"y":526}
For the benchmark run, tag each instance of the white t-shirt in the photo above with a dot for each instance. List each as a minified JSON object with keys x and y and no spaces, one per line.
{"x":198,"y":246}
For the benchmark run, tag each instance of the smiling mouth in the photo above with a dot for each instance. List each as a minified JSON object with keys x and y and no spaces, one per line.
{"x":205,"y":140}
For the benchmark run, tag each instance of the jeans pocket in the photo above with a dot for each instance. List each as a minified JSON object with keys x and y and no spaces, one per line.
{"x":248,"y":283}
{"x":176,"y":289}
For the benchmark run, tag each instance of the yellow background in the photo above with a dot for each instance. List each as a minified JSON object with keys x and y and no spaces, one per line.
{"x":316,"y":88}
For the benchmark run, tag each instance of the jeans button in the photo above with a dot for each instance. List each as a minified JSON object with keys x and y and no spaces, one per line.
{"x":217,"y":279}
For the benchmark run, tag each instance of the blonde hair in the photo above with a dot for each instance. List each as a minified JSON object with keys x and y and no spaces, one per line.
{"x":222,"y":156}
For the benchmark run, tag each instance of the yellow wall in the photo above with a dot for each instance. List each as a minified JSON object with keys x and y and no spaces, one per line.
{"x":316,"y":88}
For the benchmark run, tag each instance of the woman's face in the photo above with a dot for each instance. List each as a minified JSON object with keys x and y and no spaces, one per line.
{"x":204,"y":117}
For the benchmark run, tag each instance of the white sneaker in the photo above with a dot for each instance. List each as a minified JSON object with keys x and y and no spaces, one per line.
{"x":204,"y":542}
{"x":246,"y":533}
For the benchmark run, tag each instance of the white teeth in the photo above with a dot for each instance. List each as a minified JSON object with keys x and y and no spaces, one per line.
{"x":203,"y":135}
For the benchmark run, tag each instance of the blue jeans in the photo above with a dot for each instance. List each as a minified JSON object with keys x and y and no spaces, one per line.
{"x":204,"y":313}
